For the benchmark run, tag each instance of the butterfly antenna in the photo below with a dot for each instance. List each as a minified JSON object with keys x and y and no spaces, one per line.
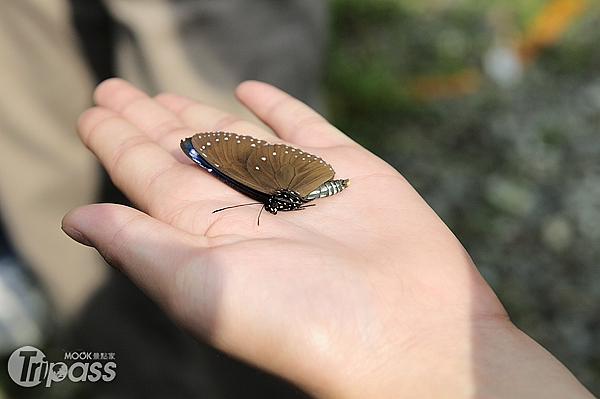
{"x":259,"y":213}
{"x":235,"y":206}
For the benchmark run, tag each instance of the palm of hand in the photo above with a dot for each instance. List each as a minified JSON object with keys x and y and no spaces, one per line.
{"x":325,"y":281}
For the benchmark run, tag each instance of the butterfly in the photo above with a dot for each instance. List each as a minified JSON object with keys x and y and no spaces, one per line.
{"x":280,"y":177}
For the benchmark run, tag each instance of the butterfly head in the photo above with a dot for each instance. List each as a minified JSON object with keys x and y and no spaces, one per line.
{"x":284,"y":200}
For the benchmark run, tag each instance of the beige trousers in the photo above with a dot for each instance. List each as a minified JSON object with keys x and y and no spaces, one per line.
{"x":44,"y":85}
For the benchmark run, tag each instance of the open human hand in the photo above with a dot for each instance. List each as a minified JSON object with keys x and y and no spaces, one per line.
{"x":366,"y":294}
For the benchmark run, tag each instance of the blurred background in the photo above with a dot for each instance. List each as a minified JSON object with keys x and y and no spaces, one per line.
{"x":491,"y":110}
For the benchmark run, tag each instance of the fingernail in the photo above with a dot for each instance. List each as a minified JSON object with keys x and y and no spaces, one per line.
{"x":76,"y":235}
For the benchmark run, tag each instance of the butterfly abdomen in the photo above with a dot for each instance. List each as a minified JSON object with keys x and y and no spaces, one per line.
{"x":328,"y":188}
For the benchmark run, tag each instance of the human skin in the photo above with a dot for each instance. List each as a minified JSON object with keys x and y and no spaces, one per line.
{"x":365,"y":295}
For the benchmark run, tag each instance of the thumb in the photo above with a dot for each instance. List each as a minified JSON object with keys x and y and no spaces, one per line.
{"x":153,"y":254}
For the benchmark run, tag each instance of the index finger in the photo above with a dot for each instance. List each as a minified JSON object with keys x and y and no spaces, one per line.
{"x":143,"y":112}
{"x":155,"y":180}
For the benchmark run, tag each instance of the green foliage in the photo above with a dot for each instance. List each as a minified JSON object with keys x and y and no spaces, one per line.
{"x":512,"y":168}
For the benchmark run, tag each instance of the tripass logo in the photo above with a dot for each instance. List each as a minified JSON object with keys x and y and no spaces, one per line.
{"x":27,"y":366}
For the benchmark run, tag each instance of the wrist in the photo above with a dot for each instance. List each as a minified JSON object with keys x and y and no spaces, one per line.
{"x":509,"y":364}
{"x":492,"y":359}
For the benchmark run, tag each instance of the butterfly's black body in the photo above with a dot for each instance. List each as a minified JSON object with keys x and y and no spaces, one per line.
{"x":280,"y":177}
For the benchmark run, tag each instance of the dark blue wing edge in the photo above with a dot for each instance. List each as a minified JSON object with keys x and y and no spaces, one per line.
{"x":194,"y":155}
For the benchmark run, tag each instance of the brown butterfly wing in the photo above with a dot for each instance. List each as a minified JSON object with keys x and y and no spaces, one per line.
{"x":278,"y":166}
{"x":229,"y":153}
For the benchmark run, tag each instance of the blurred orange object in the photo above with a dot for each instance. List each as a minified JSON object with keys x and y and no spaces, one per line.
{"x":448,"y":85}
{"x":547,"y":27}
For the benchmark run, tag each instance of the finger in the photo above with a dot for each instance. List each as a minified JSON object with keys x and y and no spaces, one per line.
{"x":201,"y":117}
{"x":143,"y":112}
{"x":147,"y":174}
{"x":154,"y":255}
{"x":293,"y":120}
